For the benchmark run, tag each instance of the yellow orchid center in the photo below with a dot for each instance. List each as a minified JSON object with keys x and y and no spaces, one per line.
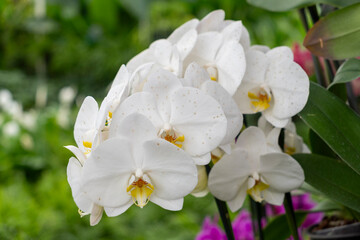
{"x":289,"y":150}
{"x":259,"y":101}
{"x":108,"y":119}
{"x":213,"y":72}
{"x":172,"y":137}
{"x":140,"y":192}
{"x":256,"y":191}
{"x":87,"y":146}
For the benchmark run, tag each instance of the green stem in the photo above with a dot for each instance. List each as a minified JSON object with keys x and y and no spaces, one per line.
{"x":224,"y":214}
{"x":290,"y":215}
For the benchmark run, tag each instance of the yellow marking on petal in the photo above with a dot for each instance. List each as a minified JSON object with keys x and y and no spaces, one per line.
{"x":259,"y":102}
{"x":213,"y":79}
{"x":175,"y":140}
{"x":110,"y":114}
{"x":256,"y":191}
{"x":289,"y":150}
{"x":108,"y":119}
{"x":87,"y":146}
{"x":140,"y":192}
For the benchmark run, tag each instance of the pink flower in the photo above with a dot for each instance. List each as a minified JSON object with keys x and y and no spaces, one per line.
{"x":303,"y":58}
{"x":211,"y":231}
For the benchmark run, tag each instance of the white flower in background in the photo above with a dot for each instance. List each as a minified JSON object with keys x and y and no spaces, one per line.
{"x":196,"y":76}
{"x":165,"y":54}
{"x":67,"y":95}
{"x":11,"y":129}
{"x":251,"y":169}
{"x":184,"y":116}
{"x":274,"y":85}
{"x":293,"y":143}
{"x":5,"y":98}
{"x":221,"y":55}
{"x":132,"y":168}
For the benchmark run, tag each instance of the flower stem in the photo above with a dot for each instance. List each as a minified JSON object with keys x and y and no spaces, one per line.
{"x":290,"y":215}
{"x":257,"y":211}
{"x":224,"y":214}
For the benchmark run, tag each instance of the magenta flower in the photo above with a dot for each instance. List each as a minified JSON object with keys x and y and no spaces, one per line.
{"x":242,"y":226}
{"x":303,"y":58}
{"x":211,"y":231}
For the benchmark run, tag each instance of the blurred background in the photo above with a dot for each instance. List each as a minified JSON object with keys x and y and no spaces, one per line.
{"x":54,"y":53}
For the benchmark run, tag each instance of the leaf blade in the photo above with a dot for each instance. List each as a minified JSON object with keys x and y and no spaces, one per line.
{"x":336,"y":179}
{"x":335,"y":123}
{"x":348,"y":71}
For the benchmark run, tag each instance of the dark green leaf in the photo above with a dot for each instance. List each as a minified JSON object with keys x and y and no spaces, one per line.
{"x":318,"y":146}
{"x":336,"y":36}
{"x":278,"y":228}
{"x":347,"y":72}
{"x":332,"y":177}
{"x":335,"y":123}
{"x":285,"y":5}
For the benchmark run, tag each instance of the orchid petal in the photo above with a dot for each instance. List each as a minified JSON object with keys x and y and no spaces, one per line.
{"x":113,"y":212}
{"x":199,"y":118}
{"x":172,"y":205}
{"x":78,"y":154}
{"x":107,"y":173}
{"x":211,"y":22}
{"x":196,"y":75}
{"x":281,"y":172}
{"x":182,"y":30}
{"x":273,"y":197}
{"x":229,"y":175}
{"x":236,"y":203}
{"x":233,"y":31}
{"x":171,"y":170}
{"x":186,"y":43}
{"x":96,"y":214}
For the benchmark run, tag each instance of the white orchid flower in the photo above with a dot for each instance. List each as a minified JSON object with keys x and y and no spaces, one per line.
{"x":293,"y":143}
{"x":166,"y":54}
{"x":138,"y":169}
{"x":251,"y":169}
{"x":221,"y":55}
{"x":274,"y":85}
{"x":196,"y":76}
{"x":184,"y":116}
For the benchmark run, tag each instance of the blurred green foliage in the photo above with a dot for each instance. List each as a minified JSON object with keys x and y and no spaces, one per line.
{"x":82,"y":43}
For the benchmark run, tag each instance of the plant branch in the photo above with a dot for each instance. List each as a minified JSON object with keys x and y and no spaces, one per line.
{"x":290,"y":215}
{"x":224,"y":214}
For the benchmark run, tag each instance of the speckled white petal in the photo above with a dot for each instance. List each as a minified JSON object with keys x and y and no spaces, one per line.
{"x":245,"y":39}
{"x":107,"y":172}
{"x":172,"y":171}
{"x":162,"y":84}
{"x":196,"y":75}
{"x":281,"y":172}
{"x":202,"y":159}
{"x":211,"y":22}
{"x":273,"y":197}
{"x":199,"y":118}
{"x":161,"y":50}
{"x":272,"y":140}
{"x":228,"y":105}
{"x":280,"y":53}
{"x":205,"y":49}
{"x":227,"y":147}
{"x":113,"y":212}
{"x":144,"y":57}
{"x":122,"y":77}
{"x":260,"y":48}
{"x":231,"y":65}
{"x":233,"y":31}
{"x":289,"y":86}
{"x":237,"y":202}
{"x":172,"y":205}
{"x":256,"y":66}
{"x":277,"y":122}
{"x":264,"y":125}
{"x":186,"y":43}
{"x":74,"y":174}
{"x":180,"y":31}
{"x":253,"y":141}
{"x":85,"y":120}
{"x":229,"y":174}
{"x":96,"y":214}
{"x":78,"y":153}
{"x":143,"y":103}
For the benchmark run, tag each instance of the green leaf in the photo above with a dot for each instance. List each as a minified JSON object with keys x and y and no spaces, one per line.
{"x":335,"y":123}
{"x":278,"y":228}
{"x":336,"y":36}
{"x":318,"y":146}
{"x":332,"y":177}
{"x":285,"y":5}
{"x":347,"y":72}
